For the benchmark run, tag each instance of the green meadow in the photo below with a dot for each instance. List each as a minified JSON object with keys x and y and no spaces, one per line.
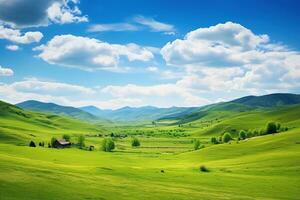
{"x":165,"y":166}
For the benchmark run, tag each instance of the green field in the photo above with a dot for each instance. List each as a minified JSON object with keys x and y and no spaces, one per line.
{"x":261,"y":167}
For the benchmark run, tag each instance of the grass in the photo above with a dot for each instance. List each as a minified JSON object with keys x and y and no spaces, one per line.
{"x":263,"y":167}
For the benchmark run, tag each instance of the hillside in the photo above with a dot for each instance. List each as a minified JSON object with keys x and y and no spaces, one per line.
{"x":271,"y":100}
{"x":57,"y":109}
{"x":244,"y":104}
{"x":20,"y":126}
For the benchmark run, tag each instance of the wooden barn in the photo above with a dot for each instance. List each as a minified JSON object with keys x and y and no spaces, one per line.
{"x":59,"y":144}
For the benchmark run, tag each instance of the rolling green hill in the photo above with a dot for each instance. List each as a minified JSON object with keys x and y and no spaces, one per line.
{"x":20,"y":126}
{"x":57,"y":109}
{"x":166,"y":166}
{"x":271,"y":100}
{"x":244,"y":104}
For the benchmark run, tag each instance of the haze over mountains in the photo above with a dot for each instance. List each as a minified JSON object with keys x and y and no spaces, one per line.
{"x":150,"y":113}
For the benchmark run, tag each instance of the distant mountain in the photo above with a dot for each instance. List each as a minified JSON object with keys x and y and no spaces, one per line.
{"x":95,"y":110}
{"x":57,"y":109}
{"x":145,"y":113}
{"x":271,"y":100}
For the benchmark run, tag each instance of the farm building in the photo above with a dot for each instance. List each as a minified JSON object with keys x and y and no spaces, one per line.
{"x":59,"y":144}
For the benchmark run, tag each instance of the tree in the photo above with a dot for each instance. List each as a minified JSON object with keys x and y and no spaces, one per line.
{"x":214,"y":140}
{"x":53,"y":140}
{"x":66,"y":137}
{"x":135,"y":142}
{"x":108,"y":145}
{"x":226,"y":137}
{"x":242,"y":135}
{"x":32,"y":144}
{"x":271,"y":128}
{"x":197,"y":144}
{"x":81,"y":139}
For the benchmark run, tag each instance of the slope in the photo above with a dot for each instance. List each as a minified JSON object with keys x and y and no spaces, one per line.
{"x":57,"y":109}
{"x":19,"y":126}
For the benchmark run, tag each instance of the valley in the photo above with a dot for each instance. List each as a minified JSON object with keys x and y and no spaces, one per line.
{"x":166,"y":165}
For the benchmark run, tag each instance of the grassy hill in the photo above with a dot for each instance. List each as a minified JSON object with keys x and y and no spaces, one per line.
{"x":165,"y":166}
{"x":20,"y":126}
{"x":244,"y":104}
{"x":57,"y":109}
{"x":271,"y":100}
{"x":266,"y":167}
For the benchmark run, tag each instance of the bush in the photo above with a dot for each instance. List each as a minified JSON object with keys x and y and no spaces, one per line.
{"x":278,"y":125}
{"x":226,"y":137}
{"x":53,"y":139}
{"x":197,"y":144}
{"x":32,"y":144}
{"x":271,"y":128}
{"x":135,"y":142}
{"x":242,"y":135}
{"x":108,"y":145}
{"x":203,"y":169}
{"x":66,"y":137}
{"x":214,"y":140}
{"x":81,"y":140}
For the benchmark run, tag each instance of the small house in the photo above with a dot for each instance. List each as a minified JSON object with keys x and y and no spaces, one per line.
{"x":62,"y":143}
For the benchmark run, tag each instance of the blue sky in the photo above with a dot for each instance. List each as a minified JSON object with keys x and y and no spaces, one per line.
{"x":113,"y":53}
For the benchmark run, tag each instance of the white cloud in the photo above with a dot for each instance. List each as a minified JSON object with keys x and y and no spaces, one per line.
{"x":223,"y":45}
{"x":42,"y":90}
{"x":90,"y":54}
{"x":162,"y":95}
{"x":62,"y":13}
{"x":152,"y":69}
{"x":6,"y":71}
{"x":34,"y":13}
{"x":12,"y":47}
{"x":137,"y":23}
{"x":155,"y":25}
{"x":16,"y":36}
{"x":231,"y":58}
{"x":113,"y":27}
{"x":34,"y":85}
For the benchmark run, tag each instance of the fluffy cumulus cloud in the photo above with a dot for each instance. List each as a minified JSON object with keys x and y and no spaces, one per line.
{"x":16,"y":36}
{"x":90,"y":54}
{"x":31,"y":13}
{"x":6,"y":71}
{"x":229,"y":57}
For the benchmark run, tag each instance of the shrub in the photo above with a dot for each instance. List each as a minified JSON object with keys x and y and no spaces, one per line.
{"x":32,"y":144}
{"x":278,"y":125}
{"x":203,"y":169}
{"x":242,"y":135}
{"x":214,"y":140}
{"x":66,"y":137}
{"x":271,"y":128}
{"x":249,"y":134}
{"x":81,"y":140}
{"x":108,"y":145}
{"x":197,"y":144}
{"x":135,"y":142}
{"x":53,"y":139}
{"x":226,"y":137}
